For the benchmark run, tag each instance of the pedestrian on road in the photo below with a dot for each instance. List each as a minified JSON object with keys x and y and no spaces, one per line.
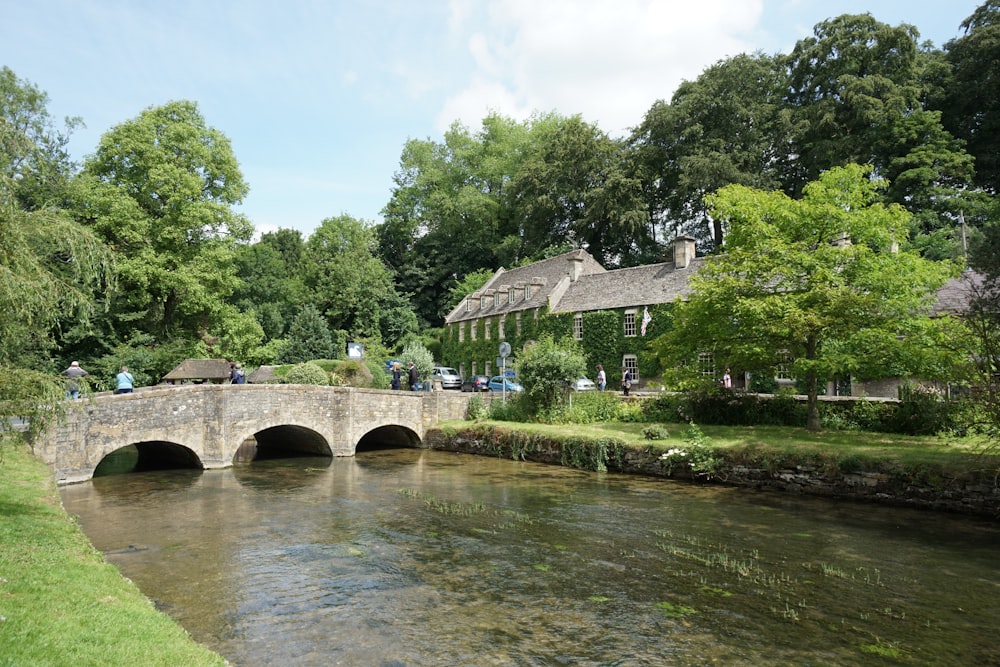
{"x":602,"y":378}
{"x":412,"y":377}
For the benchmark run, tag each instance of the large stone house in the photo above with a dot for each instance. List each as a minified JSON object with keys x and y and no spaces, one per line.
{"x":570,"y":294}
{"x":573,"y":295}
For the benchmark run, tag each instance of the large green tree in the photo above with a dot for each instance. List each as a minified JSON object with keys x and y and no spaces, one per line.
{"x":52,"y":270}
{"x":822,"y":279}
{"x":160,"y":189}
{"x":972,"y":104}
{"x":856,"y":96}
{"x":727,"y":126}
{"x":351,"y":285}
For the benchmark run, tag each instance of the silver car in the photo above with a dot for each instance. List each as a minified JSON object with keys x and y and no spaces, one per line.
{"x":448,"y":377}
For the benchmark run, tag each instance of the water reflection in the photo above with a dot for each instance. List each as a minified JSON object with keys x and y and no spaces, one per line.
{"x":407,"y":557}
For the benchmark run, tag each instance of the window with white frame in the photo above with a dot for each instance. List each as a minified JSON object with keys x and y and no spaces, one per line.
{"x":473,"y":368}
{"x":487,"y":372}
{"x":461,"y":368}
{"x":486,"y":329}
{"x":496,"y":300}
{"x":629,"y":323}
{"x":510,"y":295}
{"x":706,"y":364}
{"x":517,"y":324}
{"x":578,"y":326}
{"x":631,"y":364}
{"x":783,"y":369}
{"x":472,"y":330}
{"x":500,"y":324}
{"x":461,"y":332}
{"x":468,"y":304}
{"x":527,"y":292}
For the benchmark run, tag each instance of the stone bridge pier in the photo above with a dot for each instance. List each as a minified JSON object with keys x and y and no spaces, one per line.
{"x":204,"y":425}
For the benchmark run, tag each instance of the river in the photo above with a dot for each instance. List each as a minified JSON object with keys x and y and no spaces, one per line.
{"x":412,"y":557}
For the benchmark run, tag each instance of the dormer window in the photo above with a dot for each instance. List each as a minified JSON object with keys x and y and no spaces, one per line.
{"x":468,"y":304}
{"x":527,"y":292}
{"x":496,"y":300}
{"x":510,"y":295}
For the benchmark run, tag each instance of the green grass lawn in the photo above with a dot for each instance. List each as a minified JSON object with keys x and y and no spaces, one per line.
{"x":792,"y":444}
{"x":61,"y":603}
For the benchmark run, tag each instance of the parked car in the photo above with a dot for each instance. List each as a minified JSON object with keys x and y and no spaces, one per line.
{"x":497,"y":384}
{"x":449,"y":377}
{"x":476,"y":383}
{"x":583,"y":384}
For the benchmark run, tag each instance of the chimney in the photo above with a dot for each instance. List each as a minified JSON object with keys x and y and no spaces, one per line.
{"x":683,"y":251}
{"x":575,"y":267}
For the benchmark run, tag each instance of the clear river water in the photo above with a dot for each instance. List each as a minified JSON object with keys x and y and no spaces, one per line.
{"x":407,"y":557}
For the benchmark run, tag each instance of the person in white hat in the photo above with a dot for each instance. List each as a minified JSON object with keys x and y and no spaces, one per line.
{"x":74,"y":373}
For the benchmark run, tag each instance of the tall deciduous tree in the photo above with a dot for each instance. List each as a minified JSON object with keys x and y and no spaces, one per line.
{"x":160,"y":190}
{"x":727,"y":126}
{"x":972,"y":107}
{"x":820,"y":279}
{"x":855,"y":95}
{"x":51,"y":269}
{"x":350,"y":285}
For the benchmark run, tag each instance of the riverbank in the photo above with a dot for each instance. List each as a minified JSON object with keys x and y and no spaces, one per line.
{"x":952,"y":475}
{"x":61,"y":602}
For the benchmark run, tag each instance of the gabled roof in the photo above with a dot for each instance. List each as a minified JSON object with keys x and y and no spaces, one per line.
{"x":200,"y":369}
{"x":624,"y":288}
{"x":954,"y":296}
{"x":541,"y":277}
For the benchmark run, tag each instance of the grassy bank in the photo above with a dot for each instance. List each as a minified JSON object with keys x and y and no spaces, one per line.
{"x":61,"y":603}
{"x":907,"y":467}
{"x":782,"y":441}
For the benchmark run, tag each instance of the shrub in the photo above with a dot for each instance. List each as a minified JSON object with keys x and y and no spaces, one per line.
{"x":307,"y":373}
{"x":477,"y":408}
{"x":655,"y":432}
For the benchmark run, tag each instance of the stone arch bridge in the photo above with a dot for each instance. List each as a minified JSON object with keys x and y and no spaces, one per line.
{"x":205,"y":425}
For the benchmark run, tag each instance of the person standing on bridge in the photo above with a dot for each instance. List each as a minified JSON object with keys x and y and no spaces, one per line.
{"x":397,"y":376}
{"x":124,"y":381}
{"x":74,"y":373}
{"x":412,"y":377}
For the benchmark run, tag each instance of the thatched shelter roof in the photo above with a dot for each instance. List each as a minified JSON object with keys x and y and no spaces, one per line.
{"x":214,"y":370}
{"x":263,"y":375}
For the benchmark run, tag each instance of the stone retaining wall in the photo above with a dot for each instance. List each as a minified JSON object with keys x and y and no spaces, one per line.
{"x":974,"y":495}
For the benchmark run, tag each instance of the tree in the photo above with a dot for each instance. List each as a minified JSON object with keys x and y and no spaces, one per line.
{"x":972,"y":104}
{"x":821,"y":279}
{"x":727,"y":126}
{"x":983,"y":318}
{"x":350,"y":285}
{"x":52,"y":270}
{"x":160,"y":190}
{"x":855,"y":96}
{"x":34,"y":161}
{"x":420,"y":356}
{"x":546,"y":369}
{"x":308,"y":338}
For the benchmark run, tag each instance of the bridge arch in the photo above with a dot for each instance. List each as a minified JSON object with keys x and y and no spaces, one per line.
{"x":206,"y":425}
{"x":390,"y":436}
{"x":147,"y":455}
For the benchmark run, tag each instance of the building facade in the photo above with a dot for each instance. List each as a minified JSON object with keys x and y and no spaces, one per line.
{"x":613,"y":314}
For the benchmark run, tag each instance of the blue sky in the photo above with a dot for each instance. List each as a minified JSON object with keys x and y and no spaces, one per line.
{"x":318,"y":97}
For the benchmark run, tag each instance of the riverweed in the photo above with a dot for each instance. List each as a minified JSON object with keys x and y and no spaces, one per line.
{"x":675,"y":610}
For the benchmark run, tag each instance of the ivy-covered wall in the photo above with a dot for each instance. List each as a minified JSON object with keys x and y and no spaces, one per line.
{"x":604,"y":341}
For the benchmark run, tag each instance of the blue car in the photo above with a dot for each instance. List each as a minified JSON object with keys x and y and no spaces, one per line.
{"x":497,"y":382}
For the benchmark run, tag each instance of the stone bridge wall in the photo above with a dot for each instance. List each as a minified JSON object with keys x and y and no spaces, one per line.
{"x":212,"y":421}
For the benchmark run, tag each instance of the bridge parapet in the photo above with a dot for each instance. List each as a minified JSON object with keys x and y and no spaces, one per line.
{"x":212,"y":421}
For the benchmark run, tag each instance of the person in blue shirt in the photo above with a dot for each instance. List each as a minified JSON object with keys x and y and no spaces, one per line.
{"x":124,"y":381}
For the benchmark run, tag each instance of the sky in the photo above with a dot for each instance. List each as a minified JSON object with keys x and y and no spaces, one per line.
{"x":319,"y":97}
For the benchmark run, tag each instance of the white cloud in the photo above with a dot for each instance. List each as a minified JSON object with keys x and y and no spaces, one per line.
{"x":606,"y":61}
